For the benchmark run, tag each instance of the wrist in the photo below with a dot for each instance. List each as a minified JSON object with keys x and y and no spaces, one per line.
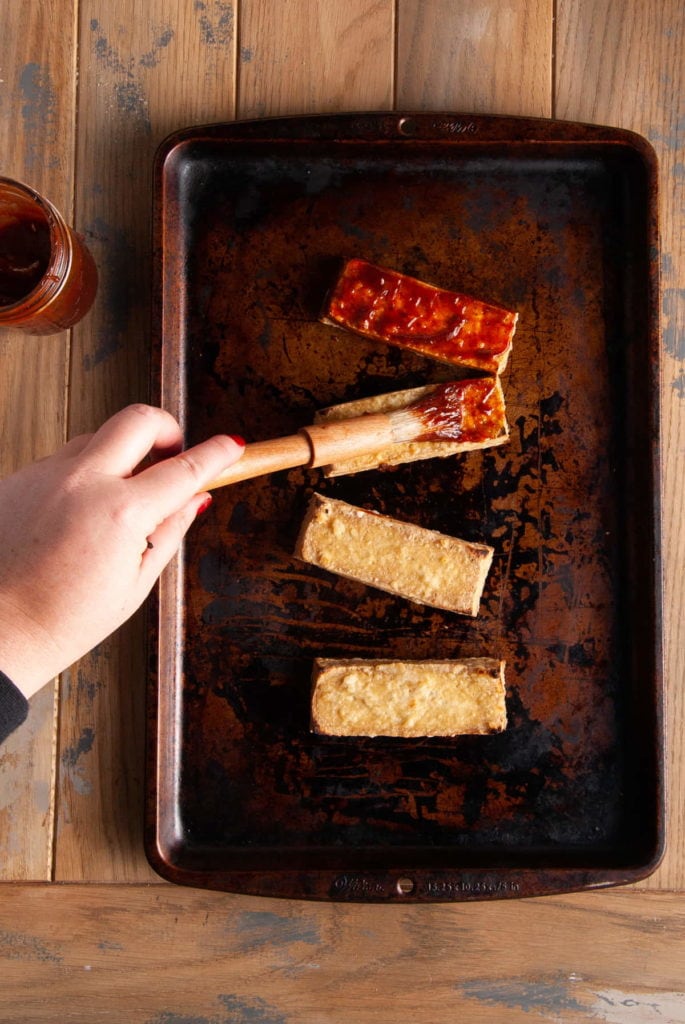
{"x":28,"y":655}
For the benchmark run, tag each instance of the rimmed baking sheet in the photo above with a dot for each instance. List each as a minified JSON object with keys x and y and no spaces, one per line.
{"x":555,"y":220}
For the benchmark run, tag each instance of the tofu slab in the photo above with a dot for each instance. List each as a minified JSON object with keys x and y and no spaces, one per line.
{"x":410,"y":561}
{"x":385,"y":305}
{"x":408,"y":699}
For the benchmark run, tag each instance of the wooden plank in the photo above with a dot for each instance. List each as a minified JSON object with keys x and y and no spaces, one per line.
{"x":623,"y":65}
{"x":493,"y":57}
{"x":37,"y":145}
{"x":299,"y":57}
{"x":142,"y":74}
{"x":164,"y":955}
{"x":27,"y":793}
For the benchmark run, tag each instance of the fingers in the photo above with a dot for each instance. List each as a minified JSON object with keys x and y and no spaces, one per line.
{"x":164,"y":542}
{"x":127,"y":437}
{"x":74,"y":446}
{"x":168,"y":485}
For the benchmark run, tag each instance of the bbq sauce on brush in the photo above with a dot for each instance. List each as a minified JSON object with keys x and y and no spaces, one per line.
{"x":470,"y":410}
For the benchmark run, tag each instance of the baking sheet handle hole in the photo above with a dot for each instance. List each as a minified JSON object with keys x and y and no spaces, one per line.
{"x":405,"y":886}
{"x":408,"y":126}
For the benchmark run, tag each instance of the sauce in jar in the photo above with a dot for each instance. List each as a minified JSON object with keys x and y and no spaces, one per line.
{"x":24,"y":257}
{"x":48,"y":279}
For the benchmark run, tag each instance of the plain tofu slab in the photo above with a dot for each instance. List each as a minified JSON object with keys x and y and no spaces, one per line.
{"x":410,"y":561}
{"x":408,"y":699}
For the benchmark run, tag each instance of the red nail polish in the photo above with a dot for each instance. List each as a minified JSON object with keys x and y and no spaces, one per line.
{"x":240,"y":441}
{"x":205,"y":505}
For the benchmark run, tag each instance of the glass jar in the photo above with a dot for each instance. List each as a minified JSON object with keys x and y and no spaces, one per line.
{"x":48,"y":278}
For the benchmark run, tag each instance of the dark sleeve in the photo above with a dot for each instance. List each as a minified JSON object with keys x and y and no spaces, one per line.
{"x":14,"y":707}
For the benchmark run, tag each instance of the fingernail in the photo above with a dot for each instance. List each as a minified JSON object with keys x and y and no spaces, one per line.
{"x":204,"y":506}
{"x":240,"y":441}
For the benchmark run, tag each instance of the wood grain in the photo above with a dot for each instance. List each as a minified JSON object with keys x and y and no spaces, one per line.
{"x":36,"y":142}
{"x":299,"y":58}
{"x":631,"y":54}
{"x":140,"y":77}
{"x":489,"y":57}
{"x":164,"y":955}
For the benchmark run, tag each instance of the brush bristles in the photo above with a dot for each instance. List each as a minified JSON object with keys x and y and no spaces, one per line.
{"x":469,"y":410}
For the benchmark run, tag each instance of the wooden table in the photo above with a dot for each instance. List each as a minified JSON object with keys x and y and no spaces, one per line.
{"x":87,"y":931}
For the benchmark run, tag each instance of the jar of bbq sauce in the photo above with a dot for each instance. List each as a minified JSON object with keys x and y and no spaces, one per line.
{"x":48,"y":278}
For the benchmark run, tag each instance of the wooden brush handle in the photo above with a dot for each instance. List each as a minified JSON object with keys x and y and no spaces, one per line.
{"x":314,"y":446}
{"x":262,"y":457}
{"x":345,"y":439}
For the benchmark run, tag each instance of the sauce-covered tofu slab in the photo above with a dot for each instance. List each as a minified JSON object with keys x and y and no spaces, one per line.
{"x":394,"y":308}
{"x":482,"y":424}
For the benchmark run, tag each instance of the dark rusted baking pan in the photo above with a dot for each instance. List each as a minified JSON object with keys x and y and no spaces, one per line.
{"x":558,"y":221}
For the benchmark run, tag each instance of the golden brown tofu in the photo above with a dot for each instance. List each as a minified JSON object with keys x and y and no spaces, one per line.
{"x":421,"y":565}
{"x":408,"y":699}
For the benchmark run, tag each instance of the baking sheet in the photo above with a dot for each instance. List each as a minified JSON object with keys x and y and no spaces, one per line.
{"x":557,"y":221}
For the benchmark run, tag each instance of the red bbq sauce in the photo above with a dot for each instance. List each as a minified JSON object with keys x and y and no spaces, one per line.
{"x":48,"y":279}
{"x":466,"y":410}
{"x":24,"y":257}
{"x":397,"y":309}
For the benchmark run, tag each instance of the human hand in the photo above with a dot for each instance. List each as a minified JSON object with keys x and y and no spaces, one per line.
{"x":85,"y":533}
